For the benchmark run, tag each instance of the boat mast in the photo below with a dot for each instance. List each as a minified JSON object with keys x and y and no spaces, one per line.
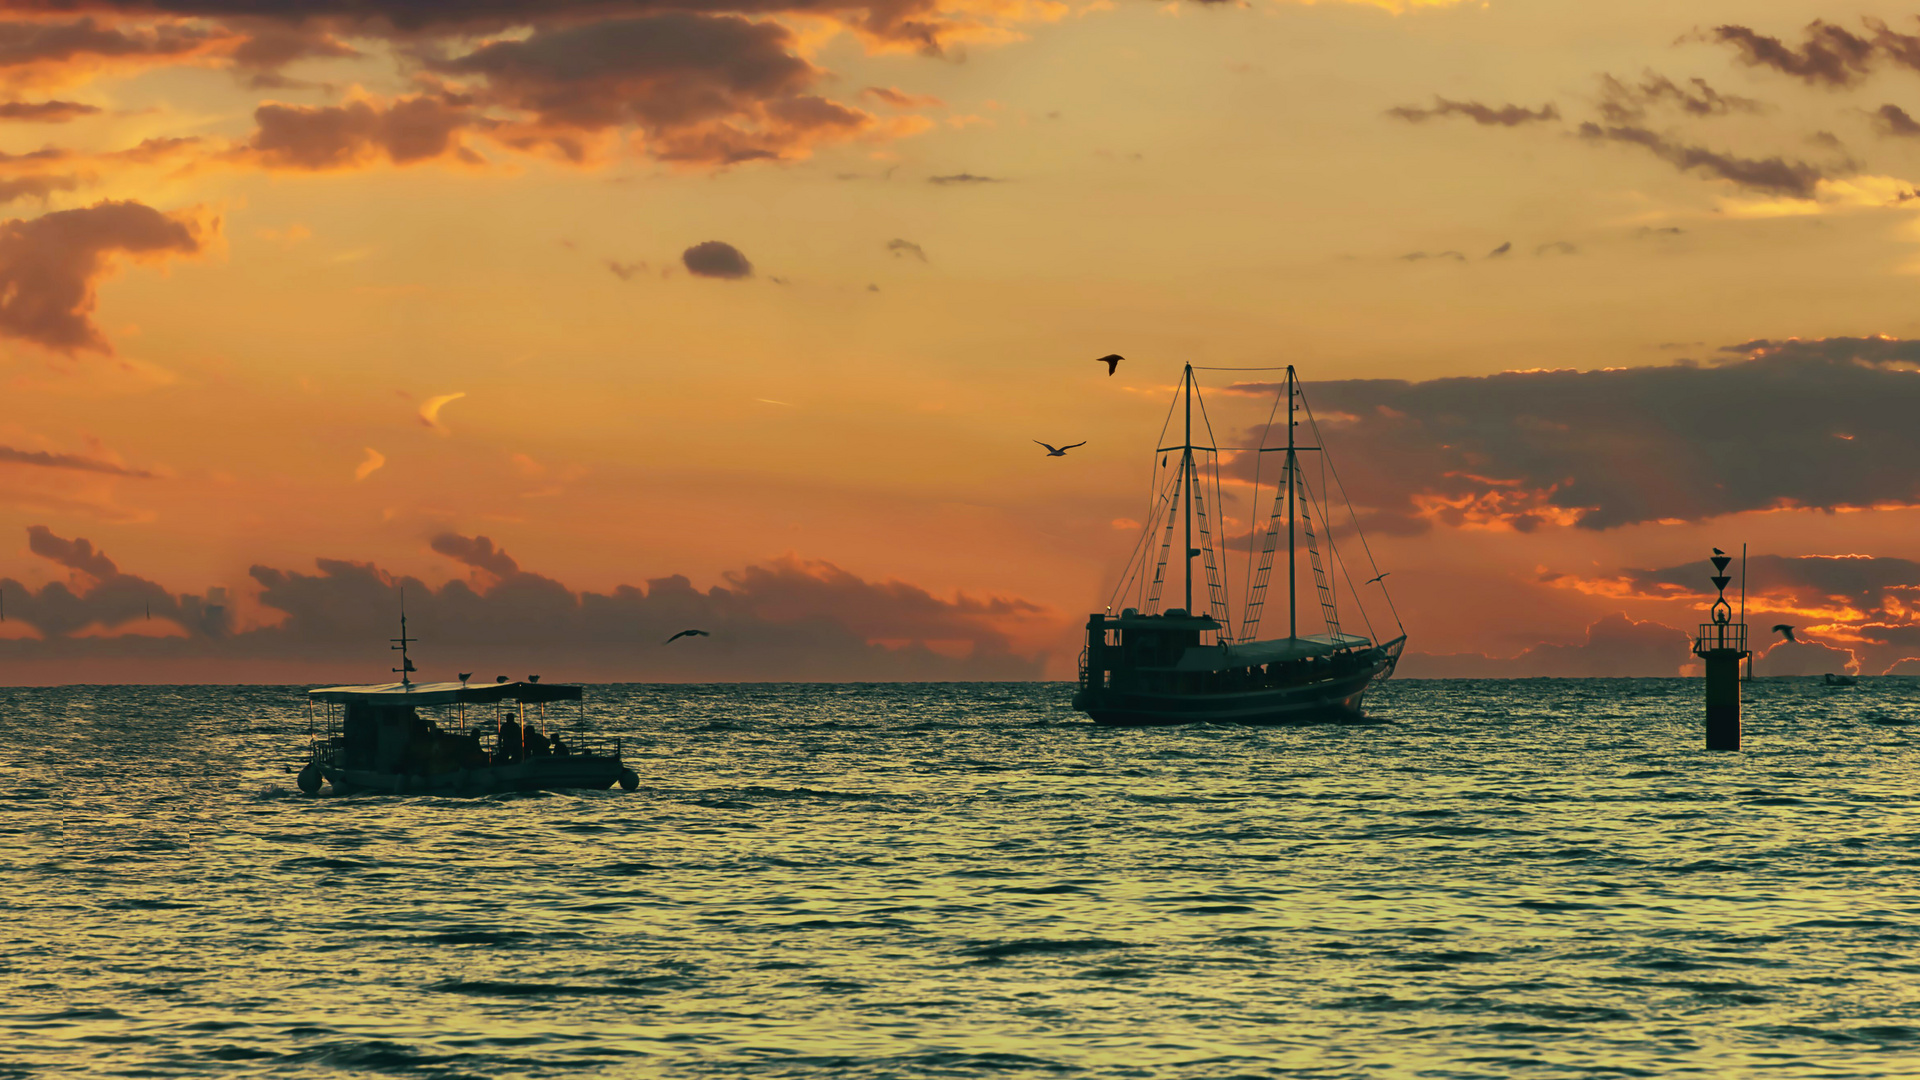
{"x":1293,"y":611}
{"x":406,"y":666}
{"x":1186,"y":482}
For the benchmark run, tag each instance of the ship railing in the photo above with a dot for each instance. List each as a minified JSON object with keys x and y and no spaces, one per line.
{"x":562,"y":744}
{"x":1715,"y":636}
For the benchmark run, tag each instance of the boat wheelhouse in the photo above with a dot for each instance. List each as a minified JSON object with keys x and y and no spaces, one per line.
{"x":454,"y":738}
{"x":1150,"y":665}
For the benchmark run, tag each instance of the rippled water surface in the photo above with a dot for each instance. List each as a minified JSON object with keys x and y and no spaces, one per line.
{"x":1541,"y":878}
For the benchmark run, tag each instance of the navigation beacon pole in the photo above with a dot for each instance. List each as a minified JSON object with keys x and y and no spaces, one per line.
{"x":1293,"y":481}
{"x":1722,"y":644}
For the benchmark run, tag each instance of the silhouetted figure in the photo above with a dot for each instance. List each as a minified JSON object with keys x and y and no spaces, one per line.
{"x":512,"y":740}
{"x":1112,"y":360}
{"x":686,"y":633}
{"x":537,"y":744}
{"x":1783,"y":628}
{"x":1059,"y":451}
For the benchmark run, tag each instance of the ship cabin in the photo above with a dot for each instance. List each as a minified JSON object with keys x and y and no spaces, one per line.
{"x":433,"y":728}
{"x":1180,"y":653}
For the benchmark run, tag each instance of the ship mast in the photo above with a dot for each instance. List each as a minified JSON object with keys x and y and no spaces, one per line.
{"x":1186,"y":482}
{"x":1293,"y":482}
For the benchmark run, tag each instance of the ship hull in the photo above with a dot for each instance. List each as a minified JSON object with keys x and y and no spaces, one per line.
{"x":1336,"y":700}
{"x":579,"y":771}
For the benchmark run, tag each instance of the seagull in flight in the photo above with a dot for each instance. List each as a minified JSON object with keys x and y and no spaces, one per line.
{"x":686,"y":633}
{"x":1112,"y":360}
{"x":1783,"y":628}
{"x":1061,"y":451}
{"x":1371,"y":580}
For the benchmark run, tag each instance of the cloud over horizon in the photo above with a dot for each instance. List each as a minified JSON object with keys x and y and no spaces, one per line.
{"x":788,"y":619}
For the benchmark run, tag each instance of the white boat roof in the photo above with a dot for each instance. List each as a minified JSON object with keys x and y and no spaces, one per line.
{"x":1279,"y":650}
{"x":447,"y":693}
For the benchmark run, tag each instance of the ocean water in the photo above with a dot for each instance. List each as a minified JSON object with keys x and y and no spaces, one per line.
{"x":1498,"y":879}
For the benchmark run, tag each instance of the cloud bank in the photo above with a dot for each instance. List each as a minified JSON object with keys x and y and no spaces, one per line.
{"x":786,"y":620}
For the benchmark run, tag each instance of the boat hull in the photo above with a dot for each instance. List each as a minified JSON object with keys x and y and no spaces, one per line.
{"x":1336,"y":700}
{"x":576,"y":771}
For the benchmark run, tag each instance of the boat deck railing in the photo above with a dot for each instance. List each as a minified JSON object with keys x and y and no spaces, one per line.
{"x":331,"y":748}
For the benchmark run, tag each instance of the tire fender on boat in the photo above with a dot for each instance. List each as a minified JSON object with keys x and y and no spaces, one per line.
{"x":629,"y":780}
{"x":309,"y":779}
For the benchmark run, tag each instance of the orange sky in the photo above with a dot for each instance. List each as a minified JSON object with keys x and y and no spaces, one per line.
{"x":250,"y":255}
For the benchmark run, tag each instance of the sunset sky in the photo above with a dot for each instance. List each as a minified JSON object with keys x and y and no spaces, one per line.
{"x":591,"y":308}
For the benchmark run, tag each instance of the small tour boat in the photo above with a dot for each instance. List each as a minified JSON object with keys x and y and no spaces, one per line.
{"x":451,"y":738}
{"x":1842,"y":680}
{"x":1177,"y":666}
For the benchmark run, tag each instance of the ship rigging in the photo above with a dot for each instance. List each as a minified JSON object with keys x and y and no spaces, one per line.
{"x":1153,"y":666}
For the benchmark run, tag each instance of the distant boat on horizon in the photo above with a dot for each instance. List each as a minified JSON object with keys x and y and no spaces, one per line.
{"x":1171,"y":665}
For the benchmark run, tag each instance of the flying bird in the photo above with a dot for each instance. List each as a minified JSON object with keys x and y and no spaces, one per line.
{"x":686,"y":633}
{"x":1061,"y":451}
{"x":1783,"y":628}
{"x":1112,"y":360}
{"x":1371,"y":580}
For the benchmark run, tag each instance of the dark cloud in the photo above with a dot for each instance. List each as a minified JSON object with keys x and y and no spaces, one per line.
{"x":36,"y":187}
{"x":316,"y":138}
{"x":31,"y":43}
{"x":46,"y":112}
{"x":1820,"y":424}
{"x":1621,"y":103}
{"x":1826,"y":56}
{"x":1416,"y":256}
{"x":716,"y":259}
{"x":790,"y":620}
{"x":1615,"y":647}
{"x":702,"y":89}
{"x":1775,"y":176}
{"x":1504,"y":116}
{"x":51,"y":265}
{"x":75,"y":462}
{"x":907,"y":247}
{"x":963,"y":178}
{"x":76,"y":555}
{"x":1893,"y":120}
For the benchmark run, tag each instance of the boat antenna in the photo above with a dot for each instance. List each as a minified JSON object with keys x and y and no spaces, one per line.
{"x":406,"y":666}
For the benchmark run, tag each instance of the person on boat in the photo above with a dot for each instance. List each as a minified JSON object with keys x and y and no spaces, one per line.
{"x":511,"y":742}
{"x":537,"y":744}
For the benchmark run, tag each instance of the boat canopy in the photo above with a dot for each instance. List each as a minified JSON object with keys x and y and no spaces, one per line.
{"x":1277,"y":651}
{"x":447,"y":693}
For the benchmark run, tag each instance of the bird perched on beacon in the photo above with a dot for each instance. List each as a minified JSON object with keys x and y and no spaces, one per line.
{"x":1717,"y":551}
{"x":1783,"y":628}
{"x":1112,"y":360}
{"x":686,"y":633}
{"x":1060,"y":451}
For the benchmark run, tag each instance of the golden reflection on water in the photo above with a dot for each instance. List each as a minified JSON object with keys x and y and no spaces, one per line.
{"x":1504,"y":879}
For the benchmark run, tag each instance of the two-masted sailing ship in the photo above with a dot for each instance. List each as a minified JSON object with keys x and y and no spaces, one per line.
{"x":1175,"y":665}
